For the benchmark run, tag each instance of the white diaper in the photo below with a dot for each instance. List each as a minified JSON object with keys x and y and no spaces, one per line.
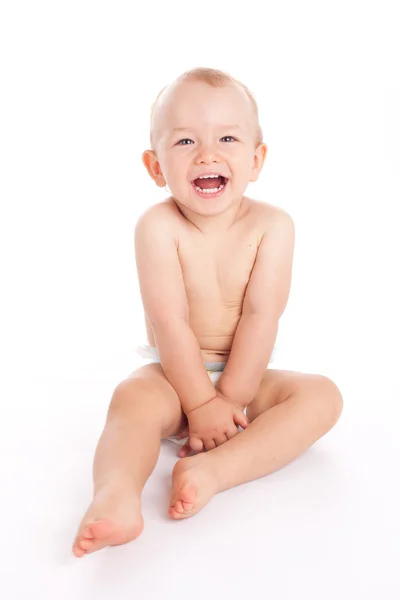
{"x":151,"y":354}
{"x":214,"y":370}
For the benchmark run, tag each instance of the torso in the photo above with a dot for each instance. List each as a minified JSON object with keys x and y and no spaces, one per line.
{"x":216,"y":271}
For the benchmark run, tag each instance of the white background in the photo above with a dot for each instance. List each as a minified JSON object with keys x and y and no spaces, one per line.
{"x":77,"y":82}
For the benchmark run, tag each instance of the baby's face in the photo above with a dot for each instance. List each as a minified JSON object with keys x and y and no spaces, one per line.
{"x":200,"y":130}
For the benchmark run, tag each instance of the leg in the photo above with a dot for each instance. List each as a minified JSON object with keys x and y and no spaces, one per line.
{"x":290,"y":412}
{"x":143,"y":409}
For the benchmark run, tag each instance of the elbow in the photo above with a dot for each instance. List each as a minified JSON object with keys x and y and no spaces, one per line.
{"x":168,"y":323}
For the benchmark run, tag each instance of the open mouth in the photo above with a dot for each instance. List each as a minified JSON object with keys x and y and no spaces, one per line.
{"x":210,"y":185}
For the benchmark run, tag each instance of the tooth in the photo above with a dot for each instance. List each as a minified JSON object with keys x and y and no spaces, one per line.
{"x":209,"y":191}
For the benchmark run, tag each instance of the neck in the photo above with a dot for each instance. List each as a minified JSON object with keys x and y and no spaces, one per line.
{"x":212,"y":223}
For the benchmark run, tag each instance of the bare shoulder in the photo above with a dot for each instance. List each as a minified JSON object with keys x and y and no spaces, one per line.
{"x":269,"y":216}
{"x":162,"y":216}
{"x":164,"y":209}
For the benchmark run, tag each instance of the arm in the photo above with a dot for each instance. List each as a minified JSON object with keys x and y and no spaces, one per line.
{"x":265,"y":300}
{"x":182,"y":363}
{"x":165,"y":303}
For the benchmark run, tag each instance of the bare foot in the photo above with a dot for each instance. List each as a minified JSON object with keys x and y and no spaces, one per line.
{"x":113,"y":518}
{"x":193,"y":485}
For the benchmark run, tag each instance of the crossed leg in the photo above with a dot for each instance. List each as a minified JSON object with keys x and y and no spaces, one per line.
{"x":144,"y":409}
{"x":290,"y":412}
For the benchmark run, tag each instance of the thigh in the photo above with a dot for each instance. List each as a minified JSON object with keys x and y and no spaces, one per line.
{"x":277,"y":385}
{"x":149,"y":384}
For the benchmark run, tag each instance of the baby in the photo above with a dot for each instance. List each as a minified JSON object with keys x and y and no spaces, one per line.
{"x":214,"y":269}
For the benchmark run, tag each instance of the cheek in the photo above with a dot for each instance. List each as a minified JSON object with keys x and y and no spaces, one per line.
{"x":176,"y":166}
{"x":242,"y":164}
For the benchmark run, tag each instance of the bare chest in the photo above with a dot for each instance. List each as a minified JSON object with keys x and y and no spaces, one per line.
{"x":216,"y":274}
{"x":216,"y":271}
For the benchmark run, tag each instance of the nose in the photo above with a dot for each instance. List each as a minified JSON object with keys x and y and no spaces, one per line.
{"x":207,"y":154}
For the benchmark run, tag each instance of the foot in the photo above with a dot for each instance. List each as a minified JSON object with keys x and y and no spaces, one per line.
{"x":193,"y":485}
{"x":113,"y":518}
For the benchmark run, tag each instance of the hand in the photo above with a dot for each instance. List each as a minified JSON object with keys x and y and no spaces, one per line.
{"x":212,"y":424}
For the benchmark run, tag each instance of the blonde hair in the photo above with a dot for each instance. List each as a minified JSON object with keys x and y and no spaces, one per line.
{"x":214,"y":78}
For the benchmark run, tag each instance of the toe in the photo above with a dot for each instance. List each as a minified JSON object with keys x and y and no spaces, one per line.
{"x":88,"y":533}
{"x":181,"y":508}
{"x":77,"y":550}
{"x":92,"y":537}
{"x":188,"y":495}
{"x":101,"y":529}
{"x":173,"y":513}
{"x":97,"y":545}
{"x":86,"y":544}
{"x":176,"y":515}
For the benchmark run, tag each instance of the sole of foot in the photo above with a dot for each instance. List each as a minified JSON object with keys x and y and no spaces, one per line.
{"x":109,"y":521}
{"x":193,"y":485}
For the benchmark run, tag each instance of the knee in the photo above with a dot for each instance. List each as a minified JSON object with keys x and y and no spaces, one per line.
{"x":140,"y":400}
{"x":128,"y":394}
{"x":333,"y":399}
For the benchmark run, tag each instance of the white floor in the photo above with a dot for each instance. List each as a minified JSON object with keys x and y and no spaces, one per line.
{"x":326,"y":526}
{"x":75,"y":101}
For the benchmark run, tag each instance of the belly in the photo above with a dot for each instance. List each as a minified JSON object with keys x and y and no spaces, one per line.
{"x":210,"y":356}
{"x":214,"y":331}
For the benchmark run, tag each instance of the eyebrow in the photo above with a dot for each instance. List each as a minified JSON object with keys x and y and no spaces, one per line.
{"x":219,"y":126}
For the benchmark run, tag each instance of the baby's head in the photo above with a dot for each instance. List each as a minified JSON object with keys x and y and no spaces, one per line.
{"x":205,"y":122}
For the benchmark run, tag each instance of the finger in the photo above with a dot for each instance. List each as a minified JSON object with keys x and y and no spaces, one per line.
{"x":246,"y":420}
{"x":196,"y":444}
{"x":185,"y":450}
{"x":220,"y":440}
{"x":230,"y":433}
{"x":240,"y":419}
{"x":209,"y":444}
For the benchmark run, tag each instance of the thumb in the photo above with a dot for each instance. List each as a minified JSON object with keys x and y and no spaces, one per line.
{"x":241,"y":419}
{"x":196,"y":444}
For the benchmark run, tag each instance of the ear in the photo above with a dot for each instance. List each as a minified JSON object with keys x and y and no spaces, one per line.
{"x":153,"y":167}
{"x":258,"y":161}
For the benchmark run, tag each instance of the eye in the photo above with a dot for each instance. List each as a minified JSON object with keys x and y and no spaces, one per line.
{"x":228,"y":136}
{"x":184,"y":140}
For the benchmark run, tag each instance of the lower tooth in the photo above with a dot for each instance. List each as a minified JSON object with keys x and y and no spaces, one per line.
{"x":209,"y":191}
